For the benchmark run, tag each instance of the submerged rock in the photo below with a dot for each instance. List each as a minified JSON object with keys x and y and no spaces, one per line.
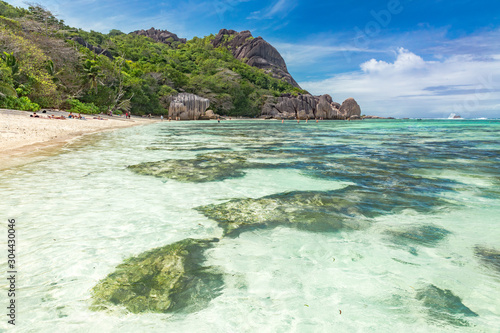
{"x":165,"y":279}
{"x":426,"y":235}
{"x":389,"y":174}
{"x":443,"y":306}
{"x":490,"y":257}
{"x":329,"y":211}
{"x":215,"y":166}
{"x":204,"y":168}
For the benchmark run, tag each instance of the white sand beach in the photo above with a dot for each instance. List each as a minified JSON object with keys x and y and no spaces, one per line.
{"x":23,"y":137}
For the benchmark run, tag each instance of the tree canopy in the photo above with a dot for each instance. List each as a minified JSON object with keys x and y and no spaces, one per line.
{"x":45,"y":63}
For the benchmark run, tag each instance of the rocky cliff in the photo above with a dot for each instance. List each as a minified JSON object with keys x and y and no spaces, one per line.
{"x":188,"y":106}
{"x":258,"y":53}
{"x":95,"y":49}
{"x":162,"y":36}
{"x":309,"y":107}
{"x":255,"y":52}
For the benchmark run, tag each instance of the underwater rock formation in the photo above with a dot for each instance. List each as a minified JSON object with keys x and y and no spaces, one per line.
{"x":164,"y":279}
{"x":329,"y":211}
{"x":209,"y":167}
{"x":204,"y":168}
{"x":188,"y":106}
{"x":443,"y":306}
{"x":426,"y":235}
{"x":490,"y":257}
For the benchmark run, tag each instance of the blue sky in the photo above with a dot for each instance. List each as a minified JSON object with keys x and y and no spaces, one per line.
{"x":402,"y":58}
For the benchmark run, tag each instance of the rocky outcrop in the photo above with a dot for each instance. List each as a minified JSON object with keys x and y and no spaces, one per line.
{"x":188,"y":106}
{"x":254,"y":51}
{"x":350,"y":108}
{"x":309,"y":107}
{"x":95,"y":49}
{"x":209,"y":114}
{"x":162,"y":36}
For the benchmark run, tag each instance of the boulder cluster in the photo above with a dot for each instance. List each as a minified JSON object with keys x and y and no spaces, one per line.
{"x":309,"y":107}
{"x":185,"y":106}
{"x":162,"y":36}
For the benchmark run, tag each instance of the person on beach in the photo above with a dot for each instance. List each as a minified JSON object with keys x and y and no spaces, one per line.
{"x":161,"y":118}
{"x":34,"y":115}
{"x":54,"y":117}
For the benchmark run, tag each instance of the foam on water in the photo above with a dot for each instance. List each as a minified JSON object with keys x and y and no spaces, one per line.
{"x":83,"y":212}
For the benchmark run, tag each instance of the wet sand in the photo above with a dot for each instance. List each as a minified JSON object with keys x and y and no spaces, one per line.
{"x":24,"y":138}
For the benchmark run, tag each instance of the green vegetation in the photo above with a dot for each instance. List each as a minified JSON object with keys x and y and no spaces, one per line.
{"x":79,"y":107}
{"x":42,"y":65}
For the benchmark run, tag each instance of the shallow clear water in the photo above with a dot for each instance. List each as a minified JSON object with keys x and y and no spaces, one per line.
{"x":402,"y":209}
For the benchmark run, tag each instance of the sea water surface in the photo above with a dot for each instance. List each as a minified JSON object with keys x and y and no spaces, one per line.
{"x":368,"y":226}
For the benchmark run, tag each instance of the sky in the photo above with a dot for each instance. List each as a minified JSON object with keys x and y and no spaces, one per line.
{"x":399,"y":58}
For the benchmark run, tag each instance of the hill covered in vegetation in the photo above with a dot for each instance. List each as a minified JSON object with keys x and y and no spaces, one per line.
{"x":45,"y":63}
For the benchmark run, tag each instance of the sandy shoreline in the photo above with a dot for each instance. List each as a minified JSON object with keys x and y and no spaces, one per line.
{"x":23,"y":138}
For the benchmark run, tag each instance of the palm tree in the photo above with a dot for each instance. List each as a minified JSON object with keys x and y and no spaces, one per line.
{"x":93,"y":73}
{"x":7,"y":90}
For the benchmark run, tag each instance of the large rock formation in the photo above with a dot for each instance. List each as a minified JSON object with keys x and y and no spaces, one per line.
{"x":350,"y":108}
{"x":188,"y":106}
{"x":95,"y":49}
{"x":162,"y":36}
{"x":308,"y":107}
{"x":255,"y":52}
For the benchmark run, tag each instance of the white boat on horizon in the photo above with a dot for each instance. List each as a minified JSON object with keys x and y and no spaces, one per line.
{"x":454,"y":116}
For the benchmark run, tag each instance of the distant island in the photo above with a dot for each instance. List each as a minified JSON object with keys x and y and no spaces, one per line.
{"x":46,"y":64}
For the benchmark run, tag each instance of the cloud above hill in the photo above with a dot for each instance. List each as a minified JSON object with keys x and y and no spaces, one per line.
{"x":412,"y":86}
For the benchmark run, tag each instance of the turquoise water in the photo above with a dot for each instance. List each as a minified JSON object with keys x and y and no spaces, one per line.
{"x":371,"y":226}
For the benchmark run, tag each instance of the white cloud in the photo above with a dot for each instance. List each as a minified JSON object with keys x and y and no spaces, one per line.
{"x":406,"y":61}
{"x":302,"y":54}
{"x":280,"y":8}
{"x":411,"y":86}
